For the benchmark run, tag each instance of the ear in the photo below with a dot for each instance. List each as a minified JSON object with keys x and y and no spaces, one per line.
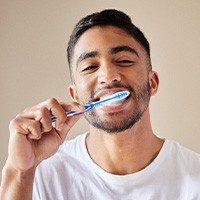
{"x":73,"y":92}
{"x":154,"y":82}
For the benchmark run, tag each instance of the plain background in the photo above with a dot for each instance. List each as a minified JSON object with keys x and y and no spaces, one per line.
{"x":33,"y":64}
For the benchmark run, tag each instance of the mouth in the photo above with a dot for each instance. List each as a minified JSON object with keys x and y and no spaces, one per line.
{"x":112,"y":99}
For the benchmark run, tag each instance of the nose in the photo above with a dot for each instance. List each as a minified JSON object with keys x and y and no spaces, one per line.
{"x":108,"y":74}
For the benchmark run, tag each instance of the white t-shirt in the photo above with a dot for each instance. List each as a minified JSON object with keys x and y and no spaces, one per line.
{"x":72,"y":175}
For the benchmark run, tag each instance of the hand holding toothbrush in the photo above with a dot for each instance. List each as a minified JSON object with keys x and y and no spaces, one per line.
{"x":34,"y":138}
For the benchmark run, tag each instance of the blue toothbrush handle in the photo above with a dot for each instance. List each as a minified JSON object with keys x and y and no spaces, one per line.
{"x":69,"y":114}
{"x":74,"y":113}
{"x":88,"y":106}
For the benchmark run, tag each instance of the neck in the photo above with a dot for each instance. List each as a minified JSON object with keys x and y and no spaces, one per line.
{"x":125,"y":152}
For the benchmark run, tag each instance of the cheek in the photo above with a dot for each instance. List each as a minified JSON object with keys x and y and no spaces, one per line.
{"x":84,"y":91}
{"x":84,"y":84}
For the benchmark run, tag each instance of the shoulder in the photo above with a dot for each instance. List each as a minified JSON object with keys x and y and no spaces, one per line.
{"x":187,"y":158}
{"x":181,"y":166}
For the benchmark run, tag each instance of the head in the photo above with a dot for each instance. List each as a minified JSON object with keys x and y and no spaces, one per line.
{"x":107,"y":54}
{"x":104,"y":18}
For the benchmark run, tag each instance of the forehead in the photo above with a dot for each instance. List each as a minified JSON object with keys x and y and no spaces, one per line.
{"x":103,"y":39}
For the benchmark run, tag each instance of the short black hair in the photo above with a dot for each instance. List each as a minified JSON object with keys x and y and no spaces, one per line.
{"x":104,"y":18}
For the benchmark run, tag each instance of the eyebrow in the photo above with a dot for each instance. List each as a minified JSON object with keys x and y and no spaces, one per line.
{"x":119,"y":49}
{"x":86,"y":55}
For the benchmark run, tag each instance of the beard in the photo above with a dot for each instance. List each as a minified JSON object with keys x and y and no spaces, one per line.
{"x":121,"y":121}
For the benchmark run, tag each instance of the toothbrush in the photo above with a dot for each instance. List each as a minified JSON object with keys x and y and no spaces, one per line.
{"x":88,"y":106}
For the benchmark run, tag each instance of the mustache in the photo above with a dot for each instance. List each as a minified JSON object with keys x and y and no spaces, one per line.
{"x":113,"y":86}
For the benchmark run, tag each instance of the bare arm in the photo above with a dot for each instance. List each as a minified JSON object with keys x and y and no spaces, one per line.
{"x":33,"y":138}
{"x":16,"y":185}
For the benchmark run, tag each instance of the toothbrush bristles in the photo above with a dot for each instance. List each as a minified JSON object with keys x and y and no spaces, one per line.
{"x":116,"y":96}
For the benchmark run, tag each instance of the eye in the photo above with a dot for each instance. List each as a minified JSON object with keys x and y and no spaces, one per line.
{"x":125,"y":62}
{"x":89,"y":68}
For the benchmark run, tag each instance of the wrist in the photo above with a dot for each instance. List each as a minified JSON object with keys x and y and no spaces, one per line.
{"x":16,"y":184}
{"x":10,"y":173}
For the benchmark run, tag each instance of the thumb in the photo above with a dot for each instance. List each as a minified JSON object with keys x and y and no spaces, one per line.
{"x":67,"y":125}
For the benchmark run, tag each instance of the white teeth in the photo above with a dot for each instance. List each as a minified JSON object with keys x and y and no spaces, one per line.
{"x":113,"y":99}
{"x":104,"y":97}
{"x":113,"y":102}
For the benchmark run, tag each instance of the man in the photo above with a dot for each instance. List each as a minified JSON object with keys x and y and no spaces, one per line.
{"x":120,"y":157}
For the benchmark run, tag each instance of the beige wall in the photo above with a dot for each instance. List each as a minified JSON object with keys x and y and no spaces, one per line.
{"x":33,"y":67}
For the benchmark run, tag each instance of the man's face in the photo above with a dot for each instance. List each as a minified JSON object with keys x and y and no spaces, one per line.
{"x":107,"y":60}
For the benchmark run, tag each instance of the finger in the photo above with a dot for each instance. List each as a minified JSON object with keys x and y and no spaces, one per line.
{"x":41,"y":115}
{"x":57,"y":110}
{"x":69,"y":107}
{"x":45,"y":121}
{"x":73,"y":106}
{"x":69,"y":123}
{"x":27,"y":127}
{"x":43,"y":112}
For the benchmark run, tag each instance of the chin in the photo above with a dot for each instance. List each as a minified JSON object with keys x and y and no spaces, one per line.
{"x":114,"y":123}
